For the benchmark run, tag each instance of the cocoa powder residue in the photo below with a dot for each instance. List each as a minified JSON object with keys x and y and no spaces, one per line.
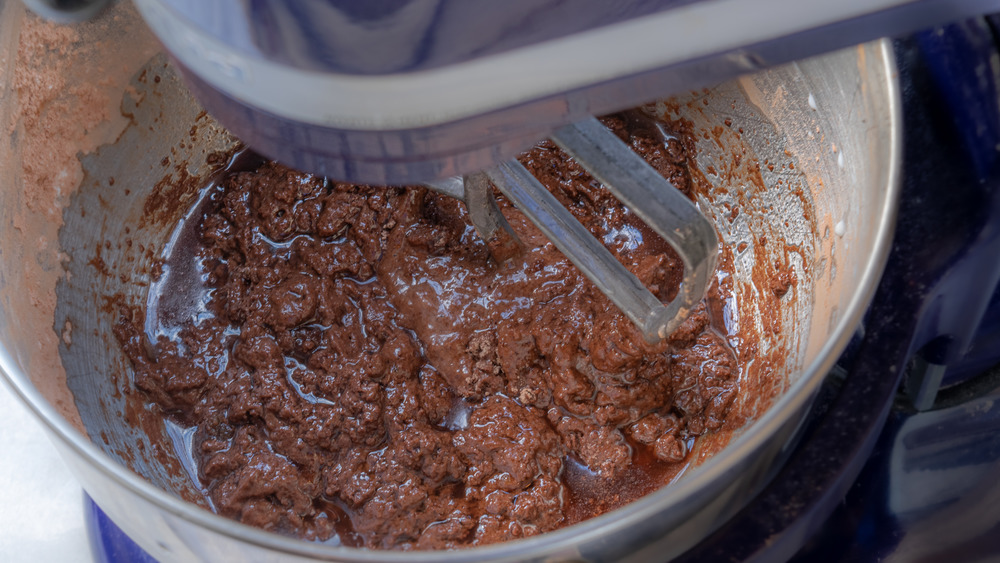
{"x":61,"y":99}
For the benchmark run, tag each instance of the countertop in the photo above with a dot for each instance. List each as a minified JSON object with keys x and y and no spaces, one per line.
{"x":41,"y":502}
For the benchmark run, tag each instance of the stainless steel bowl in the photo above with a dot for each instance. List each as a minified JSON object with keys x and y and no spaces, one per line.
{"x":829,"y":126}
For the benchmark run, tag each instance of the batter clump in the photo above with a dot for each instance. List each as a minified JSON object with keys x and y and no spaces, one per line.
{"x":364,"y":371}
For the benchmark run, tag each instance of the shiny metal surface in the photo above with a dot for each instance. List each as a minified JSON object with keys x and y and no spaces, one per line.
{"x":829,"y":125}
{"x":636,"y":184}
{"x":476,"y":192}
{"x":576,"y":243}
{"x":660,"y":205}
{"x":485,"y":214}
{"x":439,"y":87}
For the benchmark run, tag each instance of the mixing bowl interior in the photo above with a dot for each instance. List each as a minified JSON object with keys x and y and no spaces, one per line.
{"x":797,"y":171}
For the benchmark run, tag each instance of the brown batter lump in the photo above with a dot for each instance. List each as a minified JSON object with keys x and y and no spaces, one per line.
{"x":366,"y":372}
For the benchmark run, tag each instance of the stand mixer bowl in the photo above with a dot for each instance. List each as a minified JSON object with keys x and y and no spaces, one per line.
{"x":830,"y":126}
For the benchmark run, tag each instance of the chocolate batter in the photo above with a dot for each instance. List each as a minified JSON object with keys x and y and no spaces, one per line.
{"x":361,"y":370}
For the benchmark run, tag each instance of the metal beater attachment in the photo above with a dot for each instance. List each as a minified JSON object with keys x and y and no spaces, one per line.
{"x":636,"y":184}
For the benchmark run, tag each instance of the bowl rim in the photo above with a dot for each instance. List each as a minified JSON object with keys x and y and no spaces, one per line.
{"x":566,"y":539}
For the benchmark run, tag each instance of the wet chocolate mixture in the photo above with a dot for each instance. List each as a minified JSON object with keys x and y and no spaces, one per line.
{"x":360,"y":370}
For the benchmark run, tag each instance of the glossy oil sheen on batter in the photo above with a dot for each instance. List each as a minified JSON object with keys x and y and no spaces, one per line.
{"x":360,"y":370}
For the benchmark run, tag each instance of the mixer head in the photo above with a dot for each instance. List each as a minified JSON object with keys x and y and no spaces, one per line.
{"x":407,"y":91}
{"x":425,"y":91}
